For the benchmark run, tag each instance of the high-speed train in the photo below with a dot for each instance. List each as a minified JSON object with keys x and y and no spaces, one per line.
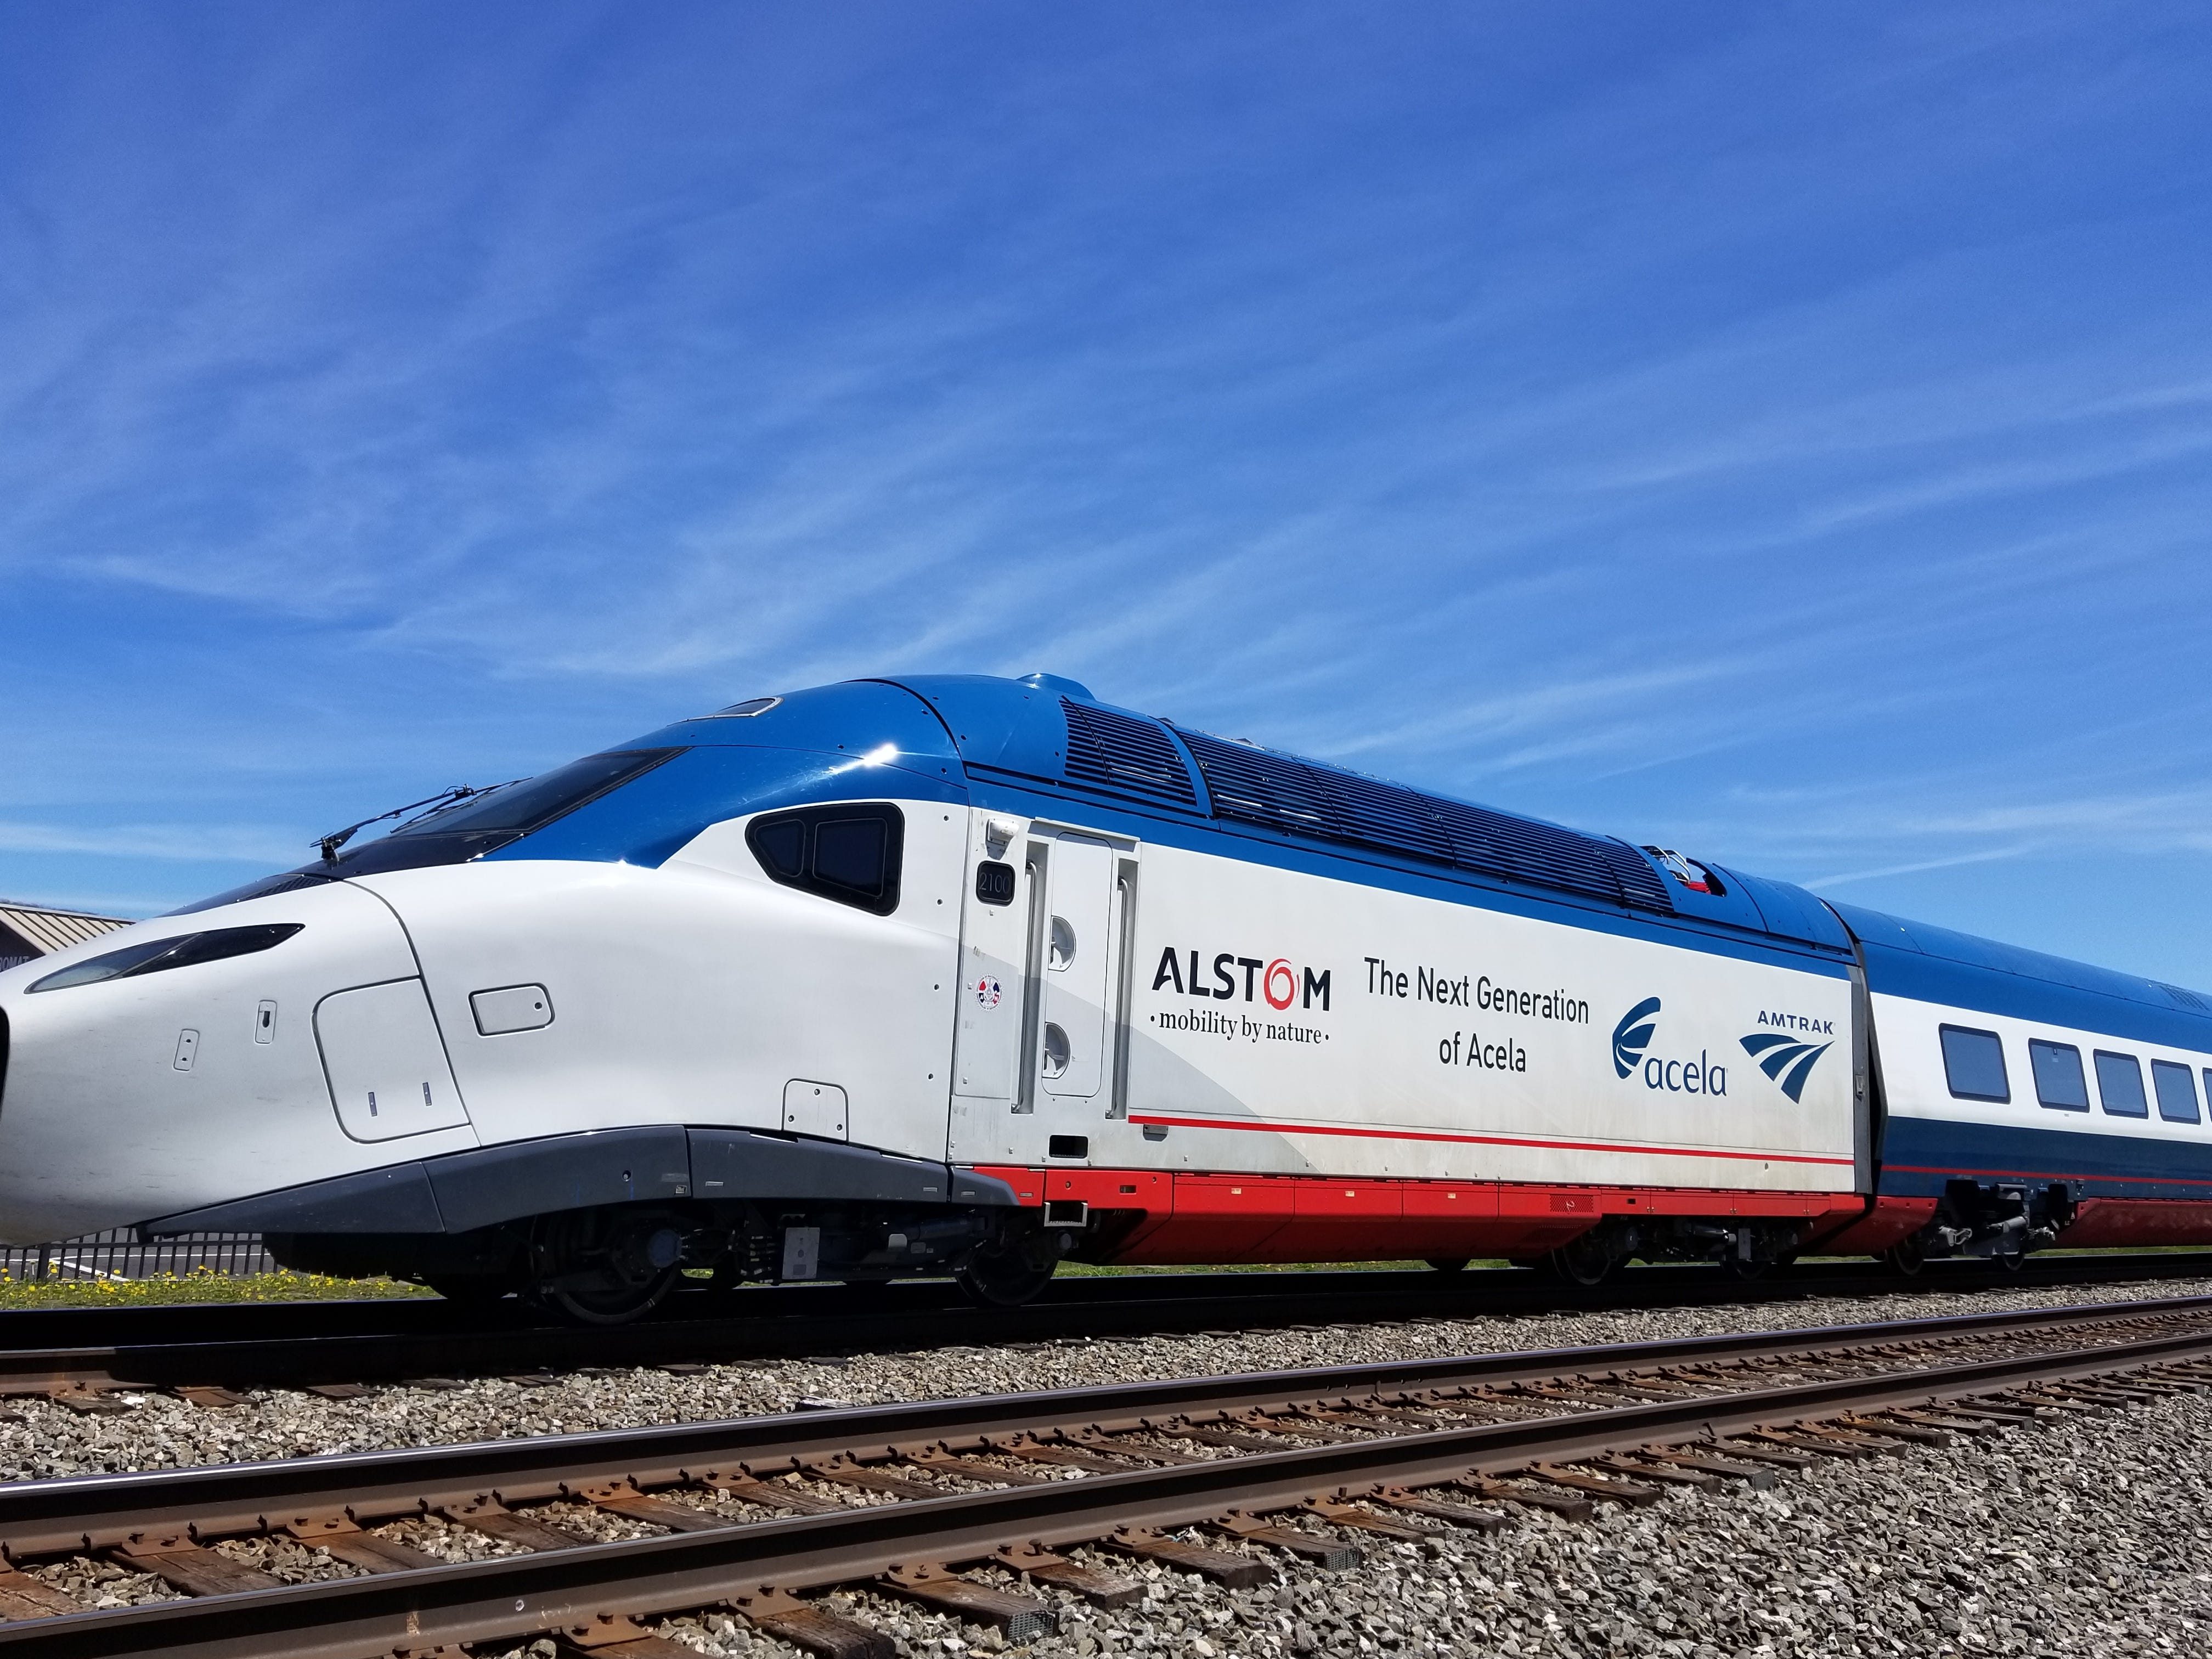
{"x":971,"y":976}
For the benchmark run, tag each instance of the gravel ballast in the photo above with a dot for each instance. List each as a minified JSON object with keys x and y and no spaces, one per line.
{"x":39,"y":1439}
{"x":2079,"y":1535}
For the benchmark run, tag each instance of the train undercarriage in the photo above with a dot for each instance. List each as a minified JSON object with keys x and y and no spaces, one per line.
{"x":616,"y":1263}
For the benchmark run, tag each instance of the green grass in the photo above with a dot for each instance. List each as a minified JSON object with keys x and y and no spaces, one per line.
{"x":1080,"y":1270}
{"x":204,"y":1285}
{"x":201,"y":1285}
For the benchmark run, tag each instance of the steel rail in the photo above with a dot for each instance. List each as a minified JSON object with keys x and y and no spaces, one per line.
{"x":519,"y":1596}
{"x":96,"y":1511}
{"x":391,"y":1341}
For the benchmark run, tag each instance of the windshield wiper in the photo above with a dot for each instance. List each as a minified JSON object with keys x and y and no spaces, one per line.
{"x":437,"y":803}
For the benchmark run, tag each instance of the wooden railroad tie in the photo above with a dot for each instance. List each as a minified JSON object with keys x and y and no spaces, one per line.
{"x":616,"y":1636}
{"x":771,"y":1494}
{"x":1224,"y":1567}
{"x":487,"y":1515}
{"x":22,"y":1596}
{"x":810,"y":1626}
{"x":1105,"y":1588}
{"x":339,"y":1535}
{"x":624,"y":1498}
{"x":1022,"y":1617}
{"x":190,"y":1567}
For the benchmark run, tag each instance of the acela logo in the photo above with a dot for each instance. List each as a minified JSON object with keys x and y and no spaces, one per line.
{"x":1677,"y":1077}
{"x":1629,"y":1039}
{"x":1785,"y":1054}
{"x":1279,"y":983}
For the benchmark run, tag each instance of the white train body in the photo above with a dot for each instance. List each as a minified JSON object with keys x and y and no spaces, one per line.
{"x":887,"y":978}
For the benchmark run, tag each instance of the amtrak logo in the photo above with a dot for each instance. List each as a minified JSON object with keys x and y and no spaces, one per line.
{"x":1631,"y":1039}
{"x":1788,"y":1062}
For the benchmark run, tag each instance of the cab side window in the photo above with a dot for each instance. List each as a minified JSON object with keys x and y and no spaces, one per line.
{"x":850,"y":853}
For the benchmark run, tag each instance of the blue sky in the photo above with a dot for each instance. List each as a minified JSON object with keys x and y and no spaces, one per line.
{"x":1781,"y":430}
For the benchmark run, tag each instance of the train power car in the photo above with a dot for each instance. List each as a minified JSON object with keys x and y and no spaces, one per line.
{"x":971,"y":976}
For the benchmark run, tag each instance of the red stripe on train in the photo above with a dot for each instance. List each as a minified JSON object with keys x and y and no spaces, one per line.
{"x":1482,"y":1140}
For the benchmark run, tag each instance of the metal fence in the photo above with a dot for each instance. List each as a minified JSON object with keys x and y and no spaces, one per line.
{"x":118,"y":1254}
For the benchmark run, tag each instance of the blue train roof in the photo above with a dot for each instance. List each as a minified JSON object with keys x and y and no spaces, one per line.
{"x":1044,"y":732}
{"x":1890,"y":934}
{"x":1049,"y":730}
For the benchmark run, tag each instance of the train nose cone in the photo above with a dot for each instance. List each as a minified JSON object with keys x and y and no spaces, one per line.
{"x":174,"y":1063}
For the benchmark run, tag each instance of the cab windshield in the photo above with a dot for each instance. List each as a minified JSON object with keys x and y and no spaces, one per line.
{"x":484,"y":824}
{"x":535,"y":802}
{"x":467,"y":829}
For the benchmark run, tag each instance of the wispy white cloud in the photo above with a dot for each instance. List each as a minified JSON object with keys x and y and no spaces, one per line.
{"x":1823,"y":883}
{"x":1785,"y":440}
{"x":195,"y":842}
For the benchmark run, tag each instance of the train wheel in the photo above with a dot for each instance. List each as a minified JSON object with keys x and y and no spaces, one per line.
{"x":2010,"y":1264}
{"x":1003,"y":1276}
{"x":1589,"y":1260}
{"x":603,"y":1297}
{"x":1906,"y":1257}
{"x":1747,"y":1270}
{"x":1449,"y":1264}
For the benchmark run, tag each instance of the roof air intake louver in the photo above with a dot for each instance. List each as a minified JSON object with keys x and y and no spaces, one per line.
{"x":1260,"y":787}
{"x":1639,"y":884}
{"x":1279,"y":792}
{"x":1119,"y":752}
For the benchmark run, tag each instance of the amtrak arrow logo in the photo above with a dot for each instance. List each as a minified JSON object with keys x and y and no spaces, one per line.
{"x":1629,"y":1039}
{"x":1782,"y":1054}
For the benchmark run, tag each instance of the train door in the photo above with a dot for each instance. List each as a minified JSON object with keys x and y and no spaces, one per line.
{"x":1038,"y":1040}
{"x":1076,"y":1024}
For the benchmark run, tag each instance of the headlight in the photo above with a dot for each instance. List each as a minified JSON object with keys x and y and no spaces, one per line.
{"x":155,"y":956}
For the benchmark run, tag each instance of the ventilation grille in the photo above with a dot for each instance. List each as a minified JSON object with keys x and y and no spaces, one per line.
{"x":2186,"y":998}
{"x":1257,"y":785}
{"x":1116,"y":752}
{"x":1639,"y":882}
{"x":1260,"y":787}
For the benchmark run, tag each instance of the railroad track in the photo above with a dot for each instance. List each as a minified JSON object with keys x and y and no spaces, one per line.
{"x":70,"y":1354}
{"x":970,"y":1506}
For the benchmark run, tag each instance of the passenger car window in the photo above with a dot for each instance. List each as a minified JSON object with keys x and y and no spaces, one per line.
{"x":2176,"y":1091}
{"x":2058,"y":1080}
{"x":849,"y":852}
{"x":1973,"y":1064}
{"x":2119,"y":1085}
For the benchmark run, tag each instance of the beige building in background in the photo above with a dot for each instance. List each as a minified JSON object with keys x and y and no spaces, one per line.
{"x":37,"y":930}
